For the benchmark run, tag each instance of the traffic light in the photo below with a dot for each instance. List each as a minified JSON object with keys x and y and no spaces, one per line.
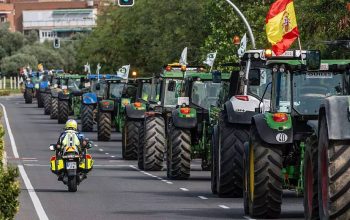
{"x":126,"y":3}
{"x":56,"y":43}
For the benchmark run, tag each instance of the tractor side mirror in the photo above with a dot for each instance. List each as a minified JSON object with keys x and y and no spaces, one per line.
{"x":313,"y":60}
{"x":216,"y":76}
{"x":98,"y":86}
{"x":52,"y":147}
{"x":254,"y":77}
{"x":171,"y":86}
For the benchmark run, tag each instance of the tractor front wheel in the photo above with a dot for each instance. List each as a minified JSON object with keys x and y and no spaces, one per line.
{"x":179,"y":154}
{"x":63,"y":111}
{"x":130,"y":139}
{"x":310,"y":179}
{"x":54,"y":108}
{"x":28,"y":96}
{"x":87,"y":118}
{"x":153,"y":143}
{"x":104,"y":126}
{"x":264,"y":178}
{"x":334,"y":178}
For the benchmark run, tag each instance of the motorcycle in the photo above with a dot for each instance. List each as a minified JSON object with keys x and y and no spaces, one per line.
{"x":70,"y":165}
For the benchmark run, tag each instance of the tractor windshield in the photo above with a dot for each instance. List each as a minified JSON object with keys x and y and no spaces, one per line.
{"x":170,"y":97}
{"x":74,"y":84}
{"x":205,"y":93}
{"x":311,"y":88}
{"x":281,"y":92}
{"x":146,"y":91}
{"x":265,"y":78}
{"x":116,"y":90}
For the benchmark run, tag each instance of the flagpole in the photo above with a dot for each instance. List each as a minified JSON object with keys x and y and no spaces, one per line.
{"x":301,"y":53}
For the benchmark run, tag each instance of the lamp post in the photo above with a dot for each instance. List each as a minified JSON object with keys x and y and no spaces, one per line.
{"x":250,"y":32}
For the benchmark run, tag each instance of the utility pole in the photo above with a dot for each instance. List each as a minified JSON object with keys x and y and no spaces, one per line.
{"x":250,"y":32}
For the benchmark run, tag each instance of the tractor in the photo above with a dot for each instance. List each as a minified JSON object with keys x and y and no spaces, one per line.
{"x":117,"y":93}
{"x":134,"y":115}
{"x":28,"y":90}
{"x":190,"y":126}
{"x":69,"y":98}
{"x":273,"y":158}
{"x":327,"y":152}
{"x":232,"y":131}
{"x":55,"y":88}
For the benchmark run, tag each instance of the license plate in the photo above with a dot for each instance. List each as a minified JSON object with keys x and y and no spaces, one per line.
{"x":71,"y":165}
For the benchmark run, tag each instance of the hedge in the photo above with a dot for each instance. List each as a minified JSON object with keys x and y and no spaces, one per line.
{"x":9,"y":186}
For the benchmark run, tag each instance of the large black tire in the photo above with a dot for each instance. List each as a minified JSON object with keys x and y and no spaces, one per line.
{"x":28,"y":96}
{"x":63,"y":111}
{"x":310,"y":179}
{"x":179,"y":154}
{"x":230,"y":155}
{"x":104,"y":126}
{"x":265,"y":188}
{"x":334,"y":178}
{"x":47,"y":103}
{"x":87,"y":118}
{"x":214,"y":159}
{"x":72,"y":184}
{"x":153,"y":143}
{"x":140,"y":146}
{"x":40,"y":101}
{"x":131,"y":139}
{"x":54,"y":108}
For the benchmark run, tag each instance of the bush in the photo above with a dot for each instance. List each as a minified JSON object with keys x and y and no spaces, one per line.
{"x":5,"y":92}
{"x":9,"y":186}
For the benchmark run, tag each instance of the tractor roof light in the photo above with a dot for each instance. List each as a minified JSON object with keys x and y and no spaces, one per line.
{"x":236,"y":40}
{"x":138,"y":104}
{"x":134,"y":73}
{"x":183,"y":68}
{"x":280,"y":117}
{"x":168,"y":68}
{"x":268,"y":53}
{"x":185,"y":110}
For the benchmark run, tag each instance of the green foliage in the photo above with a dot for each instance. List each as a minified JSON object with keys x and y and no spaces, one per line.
{"x":12,"y":63}
{"x":148,"y":35}
{"x":32,"y":37}
{"x":9,"y":189}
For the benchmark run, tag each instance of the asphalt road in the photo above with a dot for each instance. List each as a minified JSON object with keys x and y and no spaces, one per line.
{"x":115,"y":189}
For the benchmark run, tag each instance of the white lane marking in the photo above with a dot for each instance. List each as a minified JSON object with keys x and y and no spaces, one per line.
{"x":96,"y":145}
{"x":184,"y":189}
{"x":106,"y":153}
{"x":100,"y":149}
{"x":113,"y":156}
{"x":35,"y":165}
{"x":223,"y":206}
{"x":30,"y":160}
{"x":34,"y":197}
{"x":247,"y":217}
{"x":202,"y":197}
{"x":12,"y":139}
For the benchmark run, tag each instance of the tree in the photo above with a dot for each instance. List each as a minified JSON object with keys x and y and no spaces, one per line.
{"x":148,"y":35}
{"x":12,"y":64}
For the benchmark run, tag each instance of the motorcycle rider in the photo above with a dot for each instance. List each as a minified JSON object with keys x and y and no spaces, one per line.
{"x":71,"y":136}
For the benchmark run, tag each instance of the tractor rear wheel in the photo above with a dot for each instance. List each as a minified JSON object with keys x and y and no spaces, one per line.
{"x":54,"y":108}
{"x":130,"y":139}
{"x":310,"y":179}
{"x":47,"y":103}
{"x":230,"y":154}
{"x":40,"y":101}
{"x":28,"y":96}
{"x":179,"y":154}
{"x":264,"y":178}
{"x":63,"y":111}
{"x":87,"y":118}
{"x":334,"y":178}
{"x":104,"y":126}
{"x":154,"y":143}
{"x":140,"y":146}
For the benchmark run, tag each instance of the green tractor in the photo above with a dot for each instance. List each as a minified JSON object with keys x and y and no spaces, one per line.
{"x":274,"y":157}
{"x":190,"y":127}
{"x":69,"y":98}
{"x":118,"y":93}
{"x":55,"y":88}
{"x":134,"y":116}
{"x":247,"y":86}
{"x":327,"y":152}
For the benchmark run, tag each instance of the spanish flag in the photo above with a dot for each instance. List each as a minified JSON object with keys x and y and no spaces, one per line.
{"x":281,"y":26}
